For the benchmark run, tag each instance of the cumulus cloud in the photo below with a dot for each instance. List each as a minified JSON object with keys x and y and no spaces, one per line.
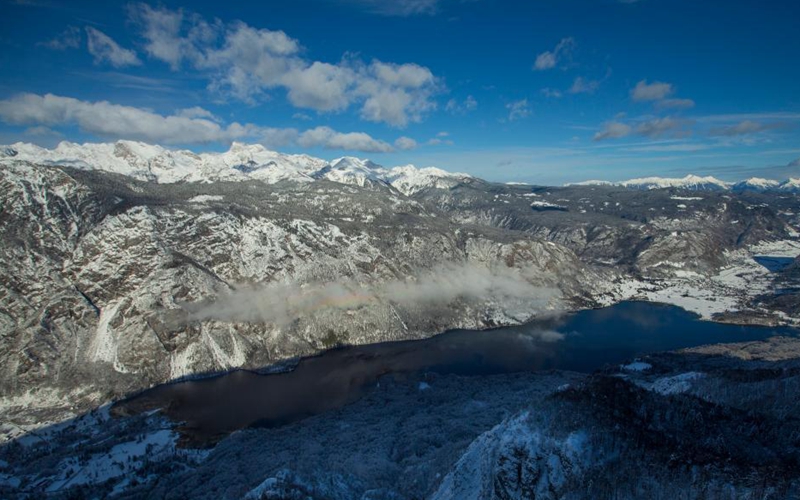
{"x":245,"y":62}
{"x":405,"y":143}
{"x":328,"y":138}
{"x":105,"y":119}
{"x":518,"y":109}
{"x":104,"y":49}
{"x":550,"y":59}
{"x":613,"y":130}
{"x":285,"y":303}
{"x":68,"y":39}
{"x":655,"y":91}
{"x":274,"y":138}
{"x":186,"y":126}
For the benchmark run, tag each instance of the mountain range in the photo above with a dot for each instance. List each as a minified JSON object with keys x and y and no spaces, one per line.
{"x":128,"y":265}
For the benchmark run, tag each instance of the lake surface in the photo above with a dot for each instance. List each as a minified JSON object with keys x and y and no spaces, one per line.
{"x":584,"y":341}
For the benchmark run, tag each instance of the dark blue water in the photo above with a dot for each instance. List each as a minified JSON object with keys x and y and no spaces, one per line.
{"x":774,"y":264}
{"x":583,"y":342}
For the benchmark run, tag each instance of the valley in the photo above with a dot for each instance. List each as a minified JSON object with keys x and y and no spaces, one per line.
{"x":126,"y":266}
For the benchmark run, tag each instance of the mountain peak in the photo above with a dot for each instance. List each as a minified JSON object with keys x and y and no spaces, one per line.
{"x":241,"y":162}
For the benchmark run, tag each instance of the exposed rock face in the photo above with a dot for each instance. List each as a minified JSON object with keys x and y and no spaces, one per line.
{"x":113,"y":254}
{"x":97,"y":268}
{"x":640,"y":230}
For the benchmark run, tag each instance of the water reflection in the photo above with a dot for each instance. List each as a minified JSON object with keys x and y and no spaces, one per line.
{"x":581,"y":342}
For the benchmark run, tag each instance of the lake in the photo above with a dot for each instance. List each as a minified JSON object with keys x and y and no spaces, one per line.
{"x":584,"y":341}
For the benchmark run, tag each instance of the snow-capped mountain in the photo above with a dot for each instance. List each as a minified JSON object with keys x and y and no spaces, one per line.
{"x":410,"y":180}
{"x":791,"y":185}
{"x":697,"y":183}
{"x":351,"y":170}
{"x":240,"y":163}
{"x":755,"y":184}
{"x":103,"y":245}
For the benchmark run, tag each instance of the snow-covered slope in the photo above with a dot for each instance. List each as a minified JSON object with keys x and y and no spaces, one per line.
{"x":692,"y":182}
{"x":697,"y":183}
{"x":241,"y":162}
{"x":97,"y":268}
{"x":755,"y":184}
{"x":410,"y":179}
{"x":155,"y":163}
{"x":792,"y":185}
{"x":351,"y":170}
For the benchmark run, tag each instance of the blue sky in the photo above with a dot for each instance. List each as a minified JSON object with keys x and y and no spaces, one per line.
{"x":543,"y":91}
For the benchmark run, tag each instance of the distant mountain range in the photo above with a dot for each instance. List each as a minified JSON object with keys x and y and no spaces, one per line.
{"x":242,"y":162}
{"x":254,"y":162}
{"x":697,"y":183}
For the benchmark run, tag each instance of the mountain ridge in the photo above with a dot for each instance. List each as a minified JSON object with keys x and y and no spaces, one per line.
{"x":242,"y":161}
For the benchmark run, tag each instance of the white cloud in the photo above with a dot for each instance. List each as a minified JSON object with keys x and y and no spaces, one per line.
{"x":68,"y":39}
{"x":40,"y":131}
{"x":196,"y":112}
{"x":549,"y":59}
{"x":401,"y":8}
{"x":545,"y":60}
{"x":275,"y":138}
{"x":675,"y":104}
{"x":321,"y":86}
{"x":187,"y":126}
{"x":668,"y":148}
{"x":613,"y":130}
{"x":518,"y":109}
{"x":745,"y":127}
{"x":583,"y":86}
{"x":114,"y":121}
{"x":402,"y":75}
{"x":161,"y":29}
{"x":460,"y":108}
{"x":656,"y":127}
{"x":440,"y":139}
{"x":651,"y":91}
{"x":104,"y":49}
{"x":405,"y":143}
{"x":659,"y":127}
{"x":245,"y":63}
{"x":436,"y":141}
{"x":552,"y":93}
{"x":328,"y":138}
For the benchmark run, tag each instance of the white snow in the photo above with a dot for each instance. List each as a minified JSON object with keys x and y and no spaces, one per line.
{"x":756,"y":184}
{"x":699,"y":183}
{"x":205,"y":198}
{"x":119,"y":461}
{"x":737,"y":282}
{"x":690,"y":181}
{"x":637,"y":366}
{"x":672,"y":385}
{"x":547,"y":204}
{"x":241,"y":162}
